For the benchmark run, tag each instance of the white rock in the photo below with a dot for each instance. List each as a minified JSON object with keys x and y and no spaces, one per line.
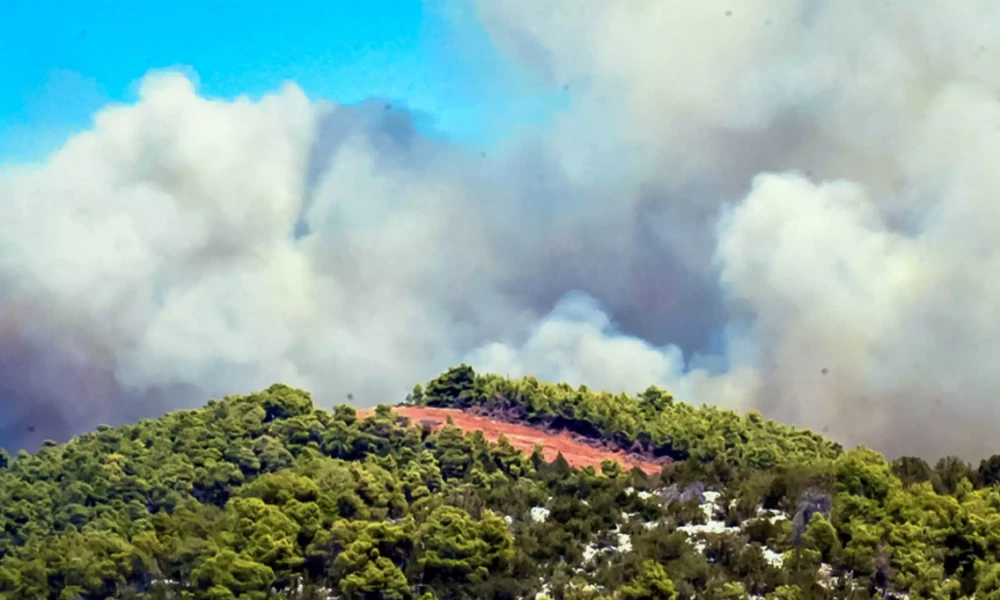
{"x":771,"y":515}
{"x":539,"y":514}
{"x":712,"y":526}
{"x":773,"y":557}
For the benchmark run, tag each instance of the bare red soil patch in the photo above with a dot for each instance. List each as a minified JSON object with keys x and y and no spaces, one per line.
{"x":524,"y":438}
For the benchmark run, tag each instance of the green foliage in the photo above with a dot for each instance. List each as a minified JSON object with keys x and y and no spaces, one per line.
{"x":458,"y":551}
{"x":949,"y":472}
{"x":451,"y":388}
{"x":865,"y":474}
{"x":911,"y":470}
{"x":786,"y":592}
{"x":264,"y":496}
{"x":989,"y":470}
{"x":652,"y":583}
{"x":653,"y":419}
{"x":729,"y":591}
{"x":377,"y":578}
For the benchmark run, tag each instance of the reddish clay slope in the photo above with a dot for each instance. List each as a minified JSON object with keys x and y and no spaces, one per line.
{"x":522,"y":437}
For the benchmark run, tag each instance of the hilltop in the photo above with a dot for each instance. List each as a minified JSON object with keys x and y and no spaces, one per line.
{"x":269,"y":496}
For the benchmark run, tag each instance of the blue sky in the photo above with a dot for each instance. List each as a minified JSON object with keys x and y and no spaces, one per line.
{"x":62,"y":60}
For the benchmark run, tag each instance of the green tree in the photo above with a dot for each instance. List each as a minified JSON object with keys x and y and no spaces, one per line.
{"x":228,"y":575}
{"x":821,"y":536}
{"x":729,"y":591}
{"x":453,"y":387}
{"x":989,"y":470}
{"x":655,"y":401}
{"x":379,"y":579}
{"x":949,"y":473}
{"x":786,"y":592}
{"x":416,"y":396}
{"x":911,"y":469}
{"x":456,"y":552}
{"x":652,"y":583}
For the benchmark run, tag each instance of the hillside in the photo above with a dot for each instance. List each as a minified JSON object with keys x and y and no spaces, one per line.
{"x":269,"y":496}
{"x":577,"y":450}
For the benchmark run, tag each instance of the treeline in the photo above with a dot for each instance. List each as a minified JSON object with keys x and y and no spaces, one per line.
{"x":266,"y":496}
{"x":652,"y":422}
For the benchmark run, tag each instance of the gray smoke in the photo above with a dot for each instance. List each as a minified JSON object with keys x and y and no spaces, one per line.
{"x":743,"y":203}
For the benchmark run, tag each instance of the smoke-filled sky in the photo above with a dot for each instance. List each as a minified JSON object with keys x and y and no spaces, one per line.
{"x":781,"y":205}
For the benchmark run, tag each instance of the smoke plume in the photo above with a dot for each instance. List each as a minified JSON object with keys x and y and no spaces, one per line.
{"x":780,"y":205}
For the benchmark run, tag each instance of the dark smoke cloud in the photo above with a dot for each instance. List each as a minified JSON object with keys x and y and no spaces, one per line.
{"x":741,"y":203}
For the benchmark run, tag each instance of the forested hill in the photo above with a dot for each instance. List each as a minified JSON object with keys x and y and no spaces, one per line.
{"x":651,"y":423}
{"x":268,"y":496}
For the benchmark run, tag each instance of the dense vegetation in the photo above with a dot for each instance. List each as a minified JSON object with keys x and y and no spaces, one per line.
{"x":652,"y":422}
{"x":267,"y":496}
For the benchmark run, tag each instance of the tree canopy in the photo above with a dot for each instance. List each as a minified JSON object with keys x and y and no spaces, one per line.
{"x":268,"y":496}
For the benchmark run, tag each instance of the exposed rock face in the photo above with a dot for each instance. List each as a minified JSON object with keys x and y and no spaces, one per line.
{"x":810,"y":503}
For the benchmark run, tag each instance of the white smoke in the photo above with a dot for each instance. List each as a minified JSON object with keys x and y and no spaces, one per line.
{"x":578,"y":344}
{"x":743,"y":203}
{"x":859,"y":270}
